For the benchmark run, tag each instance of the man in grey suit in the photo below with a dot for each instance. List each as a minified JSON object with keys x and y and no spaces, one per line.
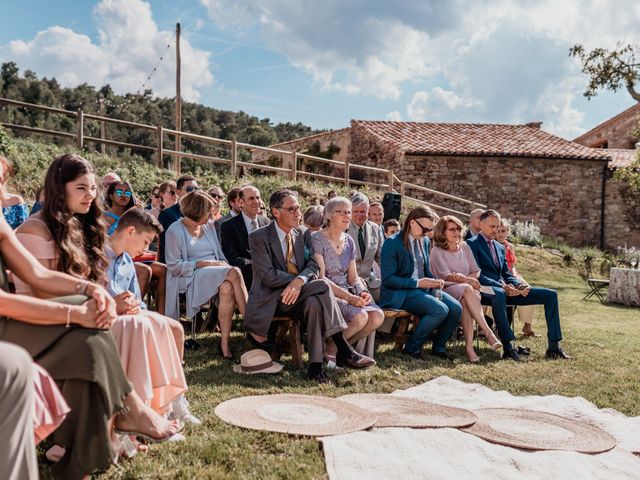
{"x":285,"y":283}
{"x":366,"y":236}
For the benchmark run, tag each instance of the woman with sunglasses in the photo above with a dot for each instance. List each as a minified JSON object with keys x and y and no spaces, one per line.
{"x":217,"y":194}
{"x":119,"y":199}
{"x":168,"y":194}
{"x":451,"y":260}
{"x":407,"y":284}
{"x":154,"y":205}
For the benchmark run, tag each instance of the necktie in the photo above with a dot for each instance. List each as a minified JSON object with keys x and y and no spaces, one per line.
{"x":419,"y":258}
{"x":493,"y":252}
{"x":291,"y":267}
{"x":361,"y":242}
{"x":254,"y":224}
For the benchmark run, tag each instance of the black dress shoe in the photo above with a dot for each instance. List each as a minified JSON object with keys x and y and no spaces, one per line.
{"x":526,"y":351}
{"x":511,"y":355}
{"x":415,"y":355}
{"x":442,"y":356}
{"x":221,"y":353}
{"x":557,"y":354}
{"x":319,"y":377}
{"x":354,"y":360}
{"x":266,"y":346}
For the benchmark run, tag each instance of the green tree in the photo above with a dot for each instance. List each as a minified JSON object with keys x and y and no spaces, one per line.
{"x":609,"y":69}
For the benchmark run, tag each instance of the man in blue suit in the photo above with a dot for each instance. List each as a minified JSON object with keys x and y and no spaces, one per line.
{"x":407,"y":284}
{"x":509,"y":290}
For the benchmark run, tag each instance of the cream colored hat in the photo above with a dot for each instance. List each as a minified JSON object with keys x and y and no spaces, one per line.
{"x":257,"y":361}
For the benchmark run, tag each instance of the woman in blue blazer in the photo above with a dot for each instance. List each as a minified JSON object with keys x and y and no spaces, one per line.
{"x":407,"y":284}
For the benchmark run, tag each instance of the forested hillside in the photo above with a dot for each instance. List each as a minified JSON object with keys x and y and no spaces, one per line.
{"x":143,"y":108}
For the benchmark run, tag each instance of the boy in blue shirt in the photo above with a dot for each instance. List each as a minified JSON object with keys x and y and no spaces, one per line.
{"x":136,"y":230}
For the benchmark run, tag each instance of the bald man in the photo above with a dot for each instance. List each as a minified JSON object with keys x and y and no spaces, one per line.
{"x":474,"y":224}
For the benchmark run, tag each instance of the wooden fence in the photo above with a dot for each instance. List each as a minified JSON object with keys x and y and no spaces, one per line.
{"x":290,"y":161}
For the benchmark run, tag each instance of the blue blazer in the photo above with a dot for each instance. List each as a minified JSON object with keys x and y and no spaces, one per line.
{"x":489,"y":273}
{"x":396,"y":266}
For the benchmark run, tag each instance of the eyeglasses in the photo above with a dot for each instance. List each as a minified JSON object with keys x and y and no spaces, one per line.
{"x":454,"y":229}
{"x":294,"y":209}
{"x":190,"y":189}
{"x":125,"y":193}
{"x":343,"y":212}
{"x":156,"y":196}
{"x":425,"y":230}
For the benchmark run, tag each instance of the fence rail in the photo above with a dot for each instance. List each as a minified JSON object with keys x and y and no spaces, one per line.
{"x":289,"y":159}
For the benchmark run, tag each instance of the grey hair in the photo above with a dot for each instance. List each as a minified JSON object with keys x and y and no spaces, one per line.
{"x":359,"y":199}
{"x":313,"y":216}
{"x":336,"y":203}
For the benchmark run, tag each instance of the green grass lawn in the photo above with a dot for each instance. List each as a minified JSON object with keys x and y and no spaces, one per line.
{"x":604,"y":340}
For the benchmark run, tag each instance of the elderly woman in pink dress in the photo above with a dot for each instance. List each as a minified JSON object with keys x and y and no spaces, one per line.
{"x":451,"y":260}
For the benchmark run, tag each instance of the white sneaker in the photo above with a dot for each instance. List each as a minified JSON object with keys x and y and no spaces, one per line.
{"x":180,"y":411}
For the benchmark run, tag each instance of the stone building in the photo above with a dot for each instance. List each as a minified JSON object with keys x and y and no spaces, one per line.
{"x":615,"y":132}
{"x":564,"y":187}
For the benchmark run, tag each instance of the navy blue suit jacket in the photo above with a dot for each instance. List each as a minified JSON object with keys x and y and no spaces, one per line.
{"x":396,"y":266}
{"x":489,"y":273}
{"x":166,"y":219}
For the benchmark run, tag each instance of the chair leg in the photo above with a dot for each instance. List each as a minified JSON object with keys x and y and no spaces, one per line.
{"x":281,"y":336}
{"x":296,"y":346}
{"x":401,"y":334}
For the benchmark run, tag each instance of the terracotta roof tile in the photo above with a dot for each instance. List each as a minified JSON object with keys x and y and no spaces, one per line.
{"x":476,"y":139}
{"x":621,"y":157}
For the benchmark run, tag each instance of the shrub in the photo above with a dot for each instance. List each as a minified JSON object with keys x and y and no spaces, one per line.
{"x":526,"y":233}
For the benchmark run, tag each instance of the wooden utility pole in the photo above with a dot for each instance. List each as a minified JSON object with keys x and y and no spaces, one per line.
{"x":103,"y":133}
{"x":178,"y":102}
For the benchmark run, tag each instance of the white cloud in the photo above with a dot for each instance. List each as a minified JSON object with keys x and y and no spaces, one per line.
{"x":128,"y":48}
{"x":439,"y":104}
{"x":394,"y":116}
{"x":509,"y":58}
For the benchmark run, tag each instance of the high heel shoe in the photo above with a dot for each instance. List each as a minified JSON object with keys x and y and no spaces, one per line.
{"x":496,"y":345}
{"x":221,"y":353}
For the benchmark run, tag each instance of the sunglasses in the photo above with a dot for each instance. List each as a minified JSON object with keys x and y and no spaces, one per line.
{"x":425,"y":230}
{"x":125,"y":193}
{"x":190,"y":189}
{"x":156,"y":196}
{"x":291,"y":209}
{"x":217,"y":195}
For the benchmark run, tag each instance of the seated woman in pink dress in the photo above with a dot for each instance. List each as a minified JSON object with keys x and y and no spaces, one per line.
{"x":335,"y":252}
{"x":451,"y":260}
{"x":58,"y":237}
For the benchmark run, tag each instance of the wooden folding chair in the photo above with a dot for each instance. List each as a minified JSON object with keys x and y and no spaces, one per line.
{"x":292,"y":327}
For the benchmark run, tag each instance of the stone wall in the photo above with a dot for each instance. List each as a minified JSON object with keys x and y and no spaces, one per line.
{"x":614,"y":133}
{"x":622,"y":215}
{"x":562,"y":197}
{"x":339,"y":138}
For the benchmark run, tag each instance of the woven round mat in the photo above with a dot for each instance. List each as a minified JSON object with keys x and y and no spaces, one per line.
{"x":534,"y":430}
{"x":395,"y":411}
{"x":308,"y":415}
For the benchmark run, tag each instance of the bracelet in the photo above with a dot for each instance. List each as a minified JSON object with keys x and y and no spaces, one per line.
{"x":81,"y":287}
{"x":68,"y":324}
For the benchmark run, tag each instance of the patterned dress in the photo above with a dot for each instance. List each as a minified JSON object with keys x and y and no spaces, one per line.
{"x":336,"y":267}
{"x":15,"y":214}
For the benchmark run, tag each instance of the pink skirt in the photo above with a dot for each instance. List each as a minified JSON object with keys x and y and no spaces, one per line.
{"x":50,"y":406}
{"x":150,"y":358}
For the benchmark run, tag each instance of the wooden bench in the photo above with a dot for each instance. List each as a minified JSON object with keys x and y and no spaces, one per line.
{"x":405,"y":319}
{"x":292,"y":327}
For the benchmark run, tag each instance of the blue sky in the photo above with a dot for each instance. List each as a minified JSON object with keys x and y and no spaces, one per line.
{"x":324,"y":63}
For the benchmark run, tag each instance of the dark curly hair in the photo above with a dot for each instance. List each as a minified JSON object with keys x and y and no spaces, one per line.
{"x":79,"y":238}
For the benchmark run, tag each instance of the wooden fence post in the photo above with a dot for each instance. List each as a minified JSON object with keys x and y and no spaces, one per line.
{"x":390,"y":180}
{"x":80,"y":129}
{"x":234,"y":156}
{"x":402,"y":189}
{"x":294,"y":167}
{"x":346,"y":172}
{"x":160,"y":145}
